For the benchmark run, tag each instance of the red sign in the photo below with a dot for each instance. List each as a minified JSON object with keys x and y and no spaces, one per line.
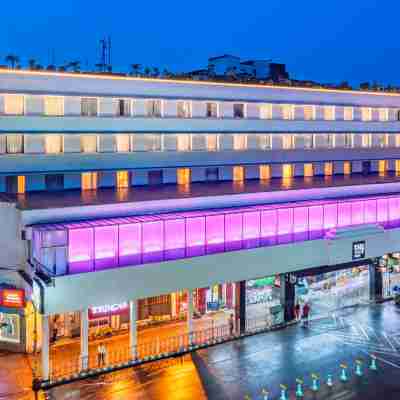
{"x":13,"y":298}
{"x":109,"y":309}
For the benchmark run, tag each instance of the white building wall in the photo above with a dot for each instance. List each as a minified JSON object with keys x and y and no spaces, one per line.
{"x":72,"y":143}
{"x":226,"y":109}
{"x":139,"y":108}
{"x":106,"y":107}
{"x":253,"y":111}
{"x":34,"y":144}
{"x":170,"y":108}
{"x":34,"y":105}
{"x":72,"y":106}
{"x":199,"y":109}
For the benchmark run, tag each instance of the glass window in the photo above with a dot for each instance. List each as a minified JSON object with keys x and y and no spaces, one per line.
{"x":309,"y":113}
{"x":233,"y":231}
{"x":239,"y":142}
{"x":80,"y":250}
{"x":123,"y":144}
{"x":212,"y":142}
{"x":308,"y":140}
{"x":287,"y":111}
{"x":106,"y":246}
{"x":348,"y":113}
{"x":88,"y":143}
{"x":265,"y":172}
{"x":183,"y":176}
{"x":300,"y":220}
{"x":174,"y":238}
{"x":308,"y":170}
{"x":330,"y":140}
{"x":54,"y":182}
{"x":329,"y":113}
{"x":238,"y":110}
{"x":54,"y":106}
{"x":14,"y":104}
{"x":53,"y":144}
{"x":211,"y":110}
{"x":269,"y":224}
{"x":195,"y":236}
{"x":330,"y":216}
{"x":124,"y":108}
{"x":383,"y":114}
{"x":264,"y":141}
{"x":184,"y":109}
{"x":183,"y":142}
{"x":238,"y":173}
{"x":266,"y":111}
{"x":357,"y":212}
{"x":348,"y":140}
{"x":370,"y":211}
{"x":154,"y":108}
{"x":287,"y":171}
{"x":366,"y":113}
{"x":153,"y":241}
{"x":251,"y":225}
{"x":122,"y":179}
{"x":287,"y":142}
{"x":21,"y":184}
{"x":215,"y":233}
{"x":366,"y":140}
{"x":89,"y":106}
{"x":328,"y":168}
{"x":130,"y":244}
{"x":285,"y":221}
{"x":3,"y":144}
{"x":89,"y":180}
{"x":347,"y":167}
{"x":344,"y":214}
{"x":15,"y":144}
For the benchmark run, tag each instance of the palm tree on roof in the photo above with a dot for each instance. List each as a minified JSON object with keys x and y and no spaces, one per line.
{"x":12,"y":59}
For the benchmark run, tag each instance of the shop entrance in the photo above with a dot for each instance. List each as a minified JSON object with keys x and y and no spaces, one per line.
{"x":332,"y":291}
{"x":390,"y":264}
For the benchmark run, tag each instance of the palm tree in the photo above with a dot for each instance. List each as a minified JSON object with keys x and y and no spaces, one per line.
{"x":32,"y":64}
{"x":12,"y":59}
{"x":75,"y":65}
{"x":136,"y":69}
{"x":147,"y":71}
{"x":156,"y":71}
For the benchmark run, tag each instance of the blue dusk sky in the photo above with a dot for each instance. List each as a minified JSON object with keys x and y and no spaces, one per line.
{"x":326,"y":41}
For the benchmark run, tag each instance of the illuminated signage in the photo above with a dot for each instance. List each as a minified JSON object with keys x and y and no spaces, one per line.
{"x":13,"y":298}
{"x":108,"y":309}
{"x":358,"y":250}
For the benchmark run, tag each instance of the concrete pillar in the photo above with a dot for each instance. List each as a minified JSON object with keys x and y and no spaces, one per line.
{"x":45,"y":348}
{"x":288,"y":296}
{"x":375,"y":281}
{"x":133,"y":328}
{"x":240,"y":306}
{"x":189,"y":318}
{"x":84,"y":340}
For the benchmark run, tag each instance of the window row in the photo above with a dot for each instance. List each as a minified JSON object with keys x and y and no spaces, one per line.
{"x":158,"y":108}
{"x":122,"y":143}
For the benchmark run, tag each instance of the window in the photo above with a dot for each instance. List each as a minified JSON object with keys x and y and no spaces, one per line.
{"x":122,"y":143}
{"x":54,"y":106}
{"x":382,"y":167}
{"x":54,"y":182}
{"x":124,"y":108}
{"x":211,"y":110}
{"x":328,"y":168}
{"x":238,"y":173}
{"x":348,"y":140}
{"x":184,"y":109}
{"x":212,"y":142}
{"x":14,"y":104}
{"x":88,"y":143}
{"x":15,"y":144}
{"x":239,"y":142}
{"x":21,"y":184}
{"x":3,"y":144}
{"x":366,"y":113}
{"x":287,"y":111}
{"x":383,"y":114}
{"x":330,"y":140}
{"x":366,"y":140}
{"x":122,"y":178}
{"x":89,"y":180}
{"x":348,"y":114}
{"x":89,"y":106}
{"x":329,"y":113}
{"x":183,"y":142}
{"x":397,"y":140}
{"x":154,"y":108}
{"x":264,"y":142}
{"x":347,"y":168}
{"x":308,"y":170}
{"x":156,"y":177}
{"x":309,"y":113}
{"x":238,"y":110}
{"x":266,"y":111}
{"x":287,"y":171}
{"x":212,"y":174}
{"x":15,"y":184}
{"x":382,"y":139}
{"x":183,"y":176}
{"x":265,"y":172}
{"x":53,"y":144}
{"x":287,"y":142}
{"x":308,"y":141}
{"x":397,"y":167}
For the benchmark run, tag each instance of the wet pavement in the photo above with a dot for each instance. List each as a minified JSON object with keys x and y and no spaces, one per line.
{"x":245,"y":367}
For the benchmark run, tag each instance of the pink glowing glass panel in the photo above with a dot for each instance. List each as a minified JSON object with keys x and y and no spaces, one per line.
{"x":394,"y":209}
{"x":344,"y":214}
{"x":195,"y":236}
{"x":174,"y":234}
{"x":130,"y":239}
{"x":269,"y":227}
{"x":300,"y":219}
{"x":316,"y":218}
{"x":285,"y":221}
{"x":251,"y":225}
{"x":357,"y":212}
{"x":233,"y":227}
{"x":215,"y":229}
{"x":370,"y":211}
{"x":106,"y":245}
{"x":80,"y":250}
{"x":153,"y":238}
{"x":330,"y":216}
{"x":382,"y":210}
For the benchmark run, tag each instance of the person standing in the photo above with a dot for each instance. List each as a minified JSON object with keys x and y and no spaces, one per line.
{"x":231,"y":325}
{"x":306,"y":314}
{"x":100,"y":356}
{"x":297,"y":311}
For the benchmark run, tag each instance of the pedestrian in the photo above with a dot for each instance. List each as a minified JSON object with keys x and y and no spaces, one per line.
{"x":306,"y":314}
{"x":297,"y":311}
{"x":104,"y":354}
{"x":231,"y":325}
{"x":100,"y":355}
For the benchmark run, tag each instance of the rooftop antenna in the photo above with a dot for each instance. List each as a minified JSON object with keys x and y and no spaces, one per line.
{"x":105,"y":55}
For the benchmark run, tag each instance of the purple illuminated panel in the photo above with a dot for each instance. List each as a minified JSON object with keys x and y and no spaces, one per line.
{"x":233,"y":231}
{"x":251,"y":229}
{"x":269,"y":227}
{"x":382,"y":210}
{"x":357,"y":212}
{"x":106,"y":246}
{"x":300,"y":223}
{"x":344,"y":214}
{"x":285,"y":225}
{"x":153,"y":241}
{"x":330,"y":216}
{"x":394,"y":211}
{"x":174,"y":238}
{"x":80,"y":250}
{"x":130,"y":244}
{"x":316,"y":222}
{"x":215,"y":233}
{"x":370,"y":211}
{"x":195,"y":236}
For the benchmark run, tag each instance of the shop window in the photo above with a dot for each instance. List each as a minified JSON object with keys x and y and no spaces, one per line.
{"x":54,"y":106}
{"x":329,"y":113}
{"x":328,"y":168}
{"x":154,"y":108}
{"x":308,"y":140}
{"x":238,"y":173}
{"x":382,"y":167}
{"x":309,"y":113}
{"x":89,"y":180}
{"x":348,"y":140}
{"x":238,"y":110}
{"x":21,"y":184}
{"x":89,"y":107}
{"x":14,"y":104}
{"x":287,"y":171}
{"x":347,"y":168}
{"x":266,"y":111}
{"x":308,"y":170}
{"x":264,"y":142}
{"x":122,"y":143}
{"x":124,"y":107}
{"x":183,"y":142}
{"x":53,"y":144}
{"x":397,"y":167}
{"x":15,"y":144}
{"x":287,"y":111}
{"x":15,"y":184}
{"x":122,"y":179}
{"x":88,"y":143}
{"x":239,"y":142}
{"x":348,"y":113}
{"x":287,"y":142}
{"x":54,"y":182}
{"x":183,"y":176}
{"x":330,"y":140}
{"x":265,"y":172}
{"x":184,"y":109}
{"x":11,"y":327}
{"x":212,"y":142}
{"x":211,"y":110}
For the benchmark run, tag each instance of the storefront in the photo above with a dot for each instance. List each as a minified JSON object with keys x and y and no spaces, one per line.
{"x":214,"y":298}
{"x":390,"y":266}
{"x":329,"y":291}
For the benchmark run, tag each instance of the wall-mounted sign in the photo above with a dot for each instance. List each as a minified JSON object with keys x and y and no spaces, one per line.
{"x":358,"y":250}
{"x":12,"y":298}
{"x":108,"y":309}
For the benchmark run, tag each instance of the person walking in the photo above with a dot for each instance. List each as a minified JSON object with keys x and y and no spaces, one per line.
{"x":231,"y":325}
{"x":101,"y":350}
{"x":297,"y":311}
{"x":306,"y":314}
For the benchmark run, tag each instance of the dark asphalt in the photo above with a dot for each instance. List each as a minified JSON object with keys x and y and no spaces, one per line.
{"x":245,"y":367}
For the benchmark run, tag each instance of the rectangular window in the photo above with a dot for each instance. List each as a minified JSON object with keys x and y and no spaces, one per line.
{"x":21,"y":184}
{"x":212,"y":142}
{"x":308,"y":170}
{"x":54,"y":182}
{"x":329,"y":113}
{"x":348,"y":140}
{"x":348,"y":113}
{"x":266,"y":111}
{"x":154,"y":108}
{"x":88,"y":143}
{"x":184,"y":109}
{"x":397,"y":167}
{"x":238,"y":173}
{"x":212,"y":174}
{"x":124,"y":107}
{"x":264,"y":142}
{"x":53,"y":144}
{"x":366,"y":113}
{"x":211,"y":110}
{"x":265,"y":172}
{"x":383,"y":114}
{"x":287,"y":111}
{"x":238,"y":110}
{"x":122,"y":142}
{"x":89,"y":107}
{"x":308,"y":141}
{"x":15,"y":144}
{"x":54,"y":106}
{"x":14,"y":104}
{"x":183,"y":142}
{"x":122,"y":178}
{"x":328,"y":168}
{"x":382,"y":167}
{"x":239,"y":142}
{"x":183,"y":176}
{"x":397,"y":140}
{"x":287,"y":142}
{"x":89,"y":180}
{"x":155,"y":177}
{"x":382,"y":139}
{"x":309,"y":113}
{"x":347,"y":168}
{"x":330,"y":140}
{"x":3,"y":144}
{"x":287,"y":171}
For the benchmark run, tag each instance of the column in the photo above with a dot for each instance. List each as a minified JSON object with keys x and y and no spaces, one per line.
{"x":84,"y":340}
{"x":375,"y":281}
{"x":240,"y":306}
{"x":133,"y":328}
{"x":189,"y":317}
{"x":45,"y":356}
{"x":288,"y":296}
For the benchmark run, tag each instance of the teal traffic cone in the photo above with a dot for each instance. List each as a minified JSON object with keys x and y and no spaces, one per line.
{"x":314,"y":385}
{"x":343,"y":373}
{"x":299,"y":388}
{"x":373,"y":366}
{"x":359,"y":371}
{"x":283,"y":392}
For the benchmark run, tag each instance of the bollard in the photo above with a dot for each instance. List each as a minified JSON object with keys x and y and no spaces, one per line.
{"x":299,"y":388}
{"x":359,"y":371}
{"x":329,"y":381}
{"x":314,"y":385}
{"x":373,"y":366}
{"x":265,"y":394}
{"x":247,"y":397}
{"x":343,"y":374}
{"x":283,"y":392}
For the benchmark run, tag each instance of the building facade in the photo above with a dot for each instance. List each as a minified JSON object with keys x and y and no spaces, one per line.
{"x":127,"y":201}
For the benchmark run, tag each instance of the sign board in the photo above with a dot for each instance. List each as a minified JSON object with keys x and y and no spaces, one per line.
{"x":108,"y":309}
{"x":12,"y":298}
{"x":358,"y":252}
